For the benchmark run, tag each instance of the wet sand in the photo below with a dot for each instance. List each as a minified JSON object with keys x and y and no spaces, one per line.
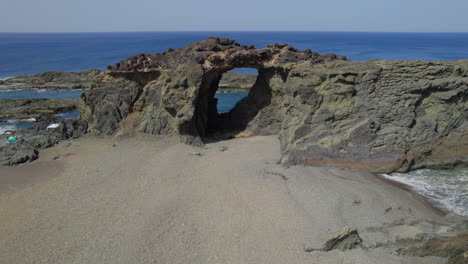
{"x":148,"y":199}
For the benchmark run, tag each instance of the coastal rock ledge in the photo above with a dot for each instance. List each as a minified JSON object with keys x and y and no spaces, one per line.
{"x":381,"y":115}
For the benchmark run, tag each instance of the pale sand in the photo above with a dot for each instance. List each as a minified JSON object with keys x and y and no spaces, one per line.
{"x":149,"y":200}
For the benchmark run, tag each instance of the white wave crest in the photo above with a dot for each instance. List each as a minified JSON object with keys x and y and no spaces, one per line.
{"x":6,"y":78}
{"x":53,"y":126}
{"x":5,"y":128}
{"x":29,"y":120}
{"x":447,"y":189}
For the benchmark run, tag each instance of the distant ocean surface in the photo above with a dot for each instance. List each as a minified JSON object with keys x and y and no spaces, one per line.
{"x":29,"y":53}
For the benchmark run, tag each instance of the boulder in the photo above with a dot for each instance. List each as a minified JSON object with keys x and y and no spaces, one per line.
{"x":17,"y":153}
{"x":347,"y":239}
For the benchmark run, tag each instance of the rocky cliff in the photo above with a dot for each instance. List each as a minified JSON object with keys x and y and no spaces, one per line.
{"x":381,"y":115}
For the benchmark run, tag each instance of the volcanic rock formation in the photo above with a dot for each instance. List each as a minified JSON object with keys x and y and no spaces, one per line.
{"x":381,"y":115}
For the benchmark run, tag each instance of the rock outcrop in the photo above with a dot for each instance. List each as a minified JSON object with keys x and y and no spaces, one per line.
{"x":381,"y":115}
{"x":35,"y":108}
{"x":30,"y":141}
{"x":172,"y":93}
{"x":55,"y":80}
{"x":347,"y":239}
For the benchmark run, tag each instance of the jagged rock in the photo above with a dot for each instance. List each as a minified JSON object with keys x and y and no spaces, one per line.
{"x":108,"y":105}
{"x":173,"y":93}
{"x":42,"y":141}
{"x":26,"y":149}
{"x":381,"y":115}
{"x":17,"y":153}
{"x":454,"y":248}
{"x":69,"y":129}
{"x":347,"y":239}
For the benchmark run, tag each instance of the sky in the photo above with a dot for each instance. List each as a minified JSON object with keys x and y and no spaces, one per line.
{"x":234,"y":15}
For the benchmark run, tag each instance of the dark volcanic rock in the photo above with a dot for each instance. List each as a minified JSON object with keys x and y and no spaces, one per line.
{"x":56,"y":80}
{"x":381,"y":115}
{"x":26,"y":148}
{"x":454,"y":248}
{"x":221,"y":53}
{"x":17,"y":153}
{"x":173,"y":93}
{"x":35,"y":108}
{"x":348,"y":238}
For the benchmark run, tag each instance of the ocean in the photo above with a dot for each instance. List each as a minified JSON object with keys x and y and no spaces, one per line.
{"x":30,"y":53}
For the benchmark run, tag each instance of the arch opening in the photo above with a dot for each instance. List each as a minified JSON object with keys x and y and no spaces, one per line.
{"x":224,"y":112}
{"x":234,"y":86}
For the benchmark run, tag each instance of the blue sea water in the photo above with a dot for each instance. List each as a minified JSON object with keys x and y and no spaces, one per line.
{"x":40,"y":93}
{"x":226,"y":101}
{"x":28,"y":53}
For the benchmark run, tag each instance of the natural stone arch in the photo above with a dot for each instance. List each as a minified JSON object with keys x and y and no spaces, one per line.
{"x":381,"y":115}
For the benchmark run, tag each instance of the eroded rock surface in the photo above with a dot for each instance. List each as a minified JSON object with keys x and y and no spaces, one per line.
{"x":381,"y":115}
{"x":172,"y":93}
{"x":235,"y":80}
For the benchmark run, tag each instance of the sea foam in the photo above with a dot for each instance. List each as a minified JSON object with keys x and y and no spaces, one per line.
{"x":446,"y":189}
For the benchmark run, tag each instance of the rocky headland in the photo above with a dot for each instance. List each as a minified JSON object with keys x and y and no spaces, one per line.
{"x":380,"y":115}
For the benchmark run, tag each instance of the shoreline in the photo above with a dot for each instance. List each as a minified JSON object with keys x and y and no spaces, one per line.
{"x":425,"y":200}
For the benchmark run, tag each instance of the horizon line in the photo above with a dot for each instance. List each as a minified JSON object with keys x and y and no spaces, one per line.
{"x":229,"y":31}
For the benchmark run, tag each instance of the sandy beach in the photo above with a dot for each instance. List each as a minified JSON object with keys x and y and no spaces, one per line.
{"x":148,"y":199}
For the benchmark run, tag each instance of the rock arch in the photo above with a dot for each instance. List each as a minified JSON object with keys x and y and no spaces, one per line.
{"x":380,"y":115}
{"x":172,"y":93}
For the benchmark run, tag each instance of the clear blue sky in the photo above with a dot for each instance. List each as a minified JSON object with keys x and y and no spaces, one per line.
{"x":237,"y":15}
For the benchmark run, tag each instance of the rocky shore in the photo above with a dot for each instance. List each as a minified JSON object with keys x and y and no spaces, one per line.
{"x":39,"y":109}
{"x":384,"y":116}
{"x":380,"y":115}
{"x":303,"y":108}
{"x":55,"y":80}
